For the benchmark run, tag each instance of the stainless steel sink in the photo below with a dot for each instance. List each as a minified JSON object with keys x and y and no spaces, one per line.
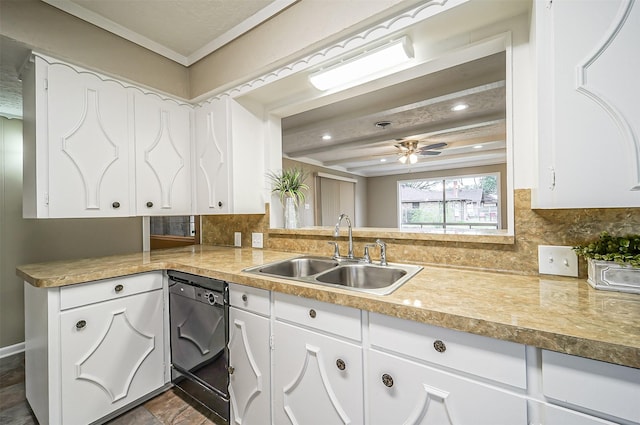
{"x":298,"y":267}
{"x":365,"y":276}
{"x":348,"y":274}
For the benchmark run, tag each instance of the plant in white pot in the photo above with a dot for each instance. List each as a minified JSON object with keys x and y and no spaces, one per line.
{"x":613,"y":262}
{"x":290,"y":187}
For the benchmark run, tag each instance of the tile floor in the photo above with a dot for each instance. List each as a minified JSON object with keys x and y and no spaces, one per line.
{"x":167,"y":408}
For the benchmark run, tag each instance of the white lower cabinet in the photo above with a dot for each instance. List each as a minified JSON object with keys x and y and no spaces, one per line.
{"x":249,"y":356}
{"x":111,"y":354}
{"x":318,"y":364}
{"x":95,"y":348}
{"x":593,"y":387}
{"x":405,"y":392}
{"x":317,"y":378}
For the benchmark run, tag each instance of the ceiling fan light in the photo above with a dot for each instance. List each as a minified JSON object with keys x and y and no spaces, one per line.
{"x":365,"y":67}
{"x":403,"y":159}
{"x":413,"y":158}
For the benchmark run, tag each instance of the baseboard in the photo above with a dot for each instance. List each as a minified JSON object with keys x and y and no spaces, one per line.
{"x":10,"y":350}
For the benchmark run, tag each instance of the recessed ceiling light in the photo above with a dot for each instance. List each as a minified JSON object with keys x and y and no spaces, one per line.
{"x":460,"y":107}
{"x":477,"y":147}
{"x":326,"y":137}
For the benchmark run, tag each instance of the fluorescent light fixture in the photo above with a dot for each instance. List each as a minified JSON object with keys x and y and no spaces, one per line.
{"x":366,"y":66}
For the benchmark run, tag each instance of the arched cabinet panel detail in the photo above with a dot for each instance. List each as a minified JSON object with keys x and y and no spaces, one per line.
{"x":588,"y":125}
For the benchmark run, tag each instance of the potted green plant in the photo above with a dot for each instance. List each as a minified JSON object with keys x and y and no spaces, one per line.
{"x":290,"y":187}
{"x":613,"y":262}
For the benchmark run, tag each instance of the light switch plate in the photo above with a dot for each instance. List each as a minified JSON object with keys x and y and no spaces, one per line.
{"x":557,"y":260}
{"x":256,"y":240}
{"x":237,"y":239}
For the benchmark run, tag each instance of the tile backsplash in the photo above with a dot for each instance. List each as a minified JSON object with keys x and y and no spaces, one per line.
{"x":532,"y":228}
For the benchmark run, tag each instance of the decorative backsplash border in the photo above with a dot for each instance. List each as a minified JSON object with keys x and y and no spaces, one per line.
{"x":532,"y":228}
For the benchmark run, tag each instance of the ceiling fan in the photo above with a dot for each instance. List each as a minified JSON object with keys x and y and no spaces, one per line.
{"x":409,"y":150}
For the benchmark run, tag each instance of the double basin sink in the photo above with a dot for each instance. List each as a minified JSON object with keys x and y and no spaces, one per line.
{"x":348,"y":274}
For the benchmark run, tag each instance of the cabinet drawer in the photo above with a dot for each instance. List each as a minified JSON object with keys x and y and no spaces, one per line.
{"x":247,"y":298}
{"x":336,"y":319}
{"x":108,"y":289}
{"x":599,"y":386}
{"x":501,"y":361}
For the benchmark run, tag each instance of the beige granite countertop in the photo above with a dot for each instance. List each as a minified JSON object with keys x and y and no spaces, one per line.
{"x":559,"y":314}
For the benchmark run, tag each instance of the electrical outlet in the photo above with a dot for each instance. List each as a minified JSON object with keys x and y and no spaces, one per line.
{"x":237,"y":239}
{"x":557,"y":260}
{"x":256,"y":240}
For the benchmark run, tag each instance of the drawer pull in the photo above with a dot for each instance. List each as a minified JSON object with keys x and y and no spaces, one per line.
{"x":149,"y":204}
{"x":231,"y":369}
{"x":439,"y":346}
{"x":81,"y":324}
{"x":312,"y":313}
{"x":244,"y":297}
{"x":119,"y":288}
{"x":341,"y":364}
{"x":116,"y":205}
{"x":387,"y":380}
{"x":220,"y":204}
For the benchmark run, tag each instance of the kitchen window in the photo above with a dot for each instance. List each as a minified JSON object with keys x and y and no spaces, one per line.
{"x":461,"y":202}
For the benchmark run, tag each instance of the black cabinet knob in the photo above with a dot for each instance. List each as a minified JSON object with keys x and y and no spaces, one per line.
{"x":149,"y":204}
{"x":116,"y":205}
{"x":220,"y":203}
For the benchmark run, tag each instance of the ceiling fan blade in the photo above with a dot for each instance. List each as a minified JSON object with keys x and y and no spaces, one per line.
{"x":429,"y":152}
{"x":433,"y":146}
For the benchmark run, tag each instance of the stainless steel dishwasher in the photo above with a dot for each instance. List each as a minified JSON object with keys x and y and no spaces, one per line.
{"x":198,"y":316}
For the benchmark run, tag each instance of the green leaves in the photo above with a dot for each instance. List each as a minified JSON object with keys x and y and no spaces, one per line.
{"x":621,"y":249}
{"x":289,"y":183}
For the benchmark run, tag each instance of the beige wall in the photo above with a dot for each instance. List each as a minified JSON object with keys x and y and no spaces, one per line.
{"x":49,"y":30}
{"x":382,"y":192}
{"x":25,"y":241}
{"x":307,"y":216}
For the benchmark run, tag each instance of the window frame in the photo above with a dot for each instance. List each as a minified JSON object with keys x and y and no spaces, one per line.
{"x":497,"y":174}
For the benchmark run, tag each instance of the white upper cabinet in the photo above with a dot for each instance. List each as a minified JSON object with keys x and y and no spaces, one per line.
{"x":163,"y":156}
{"x":77,"y":144}
{"x":229,"y":158}
{"x":212,"y":157}
{"x":589,"y":125}
{"x":97,"y":147}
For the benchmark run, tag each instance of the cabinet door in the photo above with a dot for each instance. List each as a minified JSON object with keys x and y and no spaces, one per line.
{"x":89,"y":145}
{"x":317,"y":378}
{"x":212,"y":158}
{"x":403,"y":392}
{"x":249,"y":361}
{"x":111,"y":354}
{"x":589,"y":127}
{"x":163,"y":156}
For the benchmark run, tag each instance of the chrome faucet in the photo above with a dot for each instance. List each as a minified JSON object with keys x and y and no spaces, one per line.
{"x":383,"y":252}
{"x":336,"y":233}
